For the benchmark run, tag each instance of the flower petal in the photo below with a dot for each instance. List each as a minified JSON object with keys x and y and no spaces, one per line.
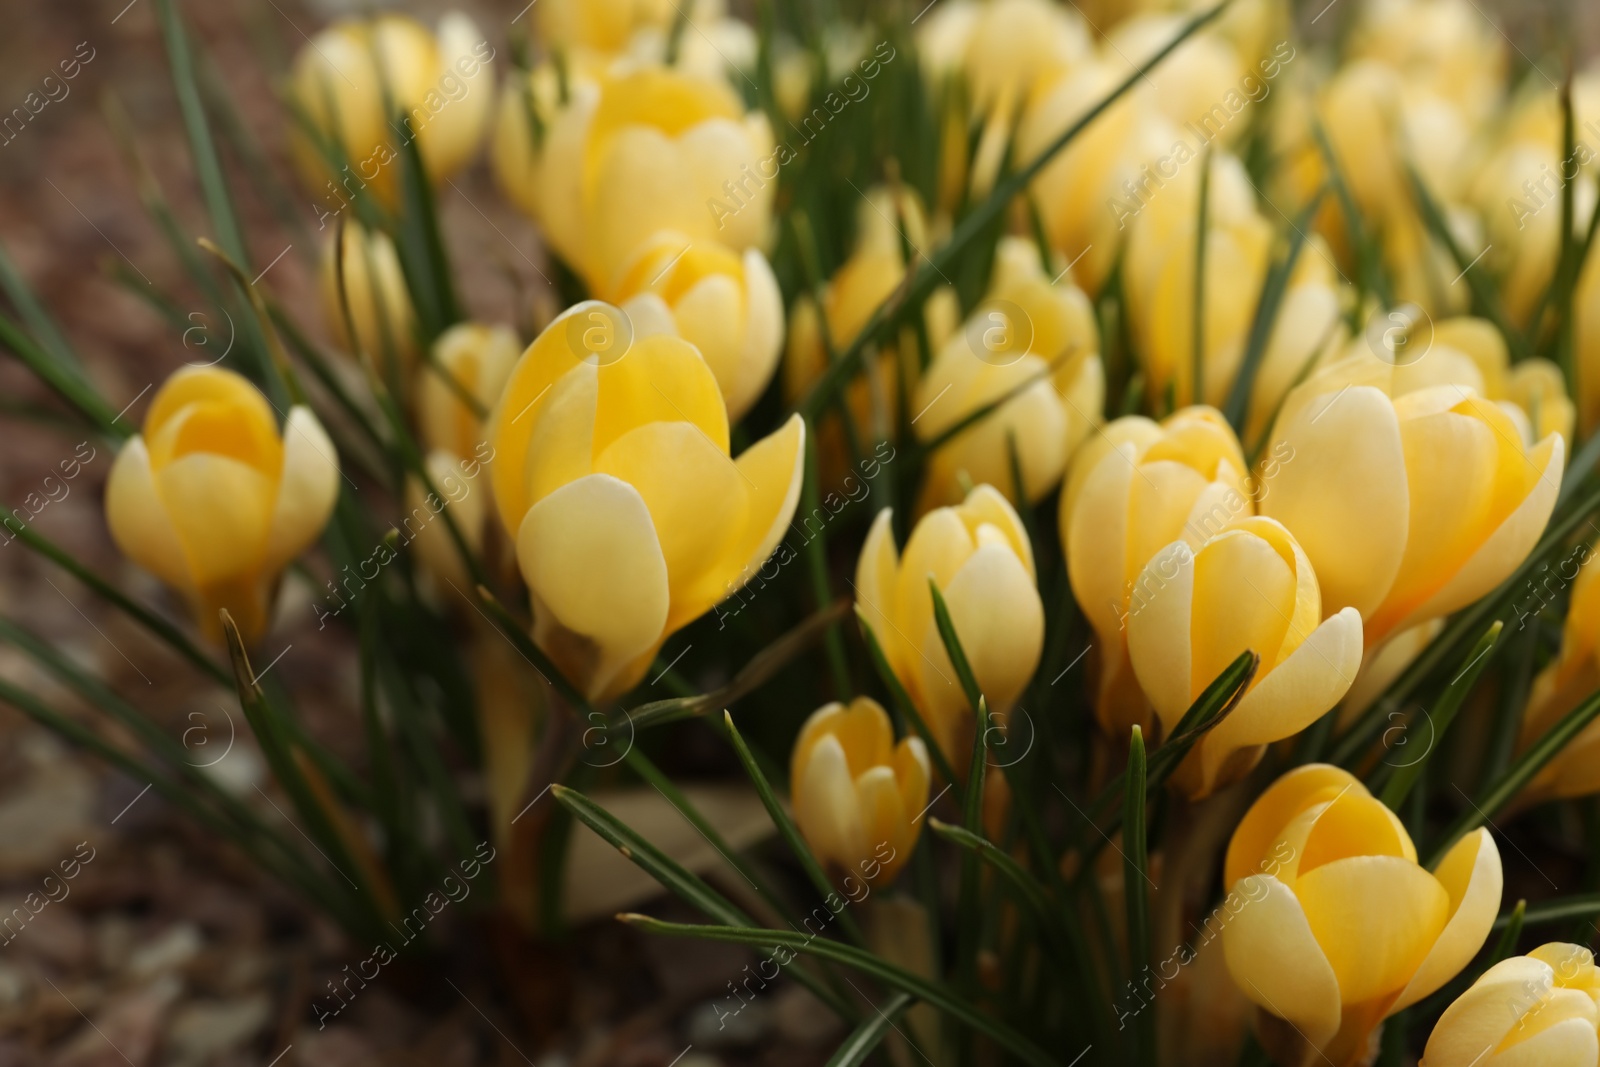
{"x":594,"y":568}
{"x":1375,"y":917}
{"x":1471,"y":875}
{"x":307,"y":489}
{"x":1276,"y":961}
{"x":138,"y":518}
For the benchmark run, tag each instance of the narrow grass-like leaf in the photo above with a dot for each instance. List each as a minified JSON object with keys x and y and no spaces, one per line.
{"x":928,"y":991}
{"x":1268,"y":305}
{"x":762,"y":666}
{"x":687,"y":886}
{"x":1443,"y":714}
{"x":866,"y":1038}
{"x":787,"y":829}
{"x":158,"y":626}
{"x":1521,"y":772}
{"x":38,"y":321}
{"x":1562,"y":909}
{"x":66,"y":381}
{"x":1135,"y":866}
{"x":952,"y":646}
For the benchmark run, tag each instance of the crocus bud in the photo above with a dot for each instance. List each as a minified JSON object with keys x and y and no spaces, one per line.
{"x":352,"y":84}
{"x":379,"y":304}
{"x":637,"y":152}
{"x":1194,"y":611}
{"x":979,"y":556}
{"x":612,"y":475}
{"x":858,"y":796}
{"x":212,"y":500}
{"x":1569,"y":679}
{"x":1408,"y":506}
{"x":1132,"y":491}
{"x":1028,"y":329}
{"x":478,"y":359}
{"x":1158,"y":276}
{"x":1339,"y":926}
{"x":1533,"y":1009}
{"x":725,"y":303}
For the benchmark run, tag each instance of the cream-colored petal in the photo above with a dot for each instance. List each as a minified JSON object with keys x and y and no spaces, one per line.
{"x":1511,"y":541}
{"x":1571,"y":1042}
{"x":1471,"y":875}
{"x":1475,"y":1024}
{"x":1375,"y":917}
{"x":1159,"y":631}
{"x":594,"y":568}
{"x":307,"y":489}
{"x":826,"y":809}
{"x":877,"y":575}
{"x":1343,"y":494}
{"x":1275,"y":960}
{"x":763,"y":335}
{"x":1272,"y":810}
{"x":1293,"y":695}
{"x":138,"y":518}
{"x":221,"y":510}
{"x":1000,"y":620}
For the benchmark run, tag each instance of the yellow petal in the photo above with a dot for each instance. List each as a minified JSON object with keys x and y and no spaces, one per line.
{"x":1000,"y":620}
{"x":598,"y":580}
{"x":221,"y":509}
{"x":1160,"y":637}
{"x":1276,"y":961}
{"x":307,"y":489}
{"x":696,"y":501}
{"x":561,"y":447}
{"x":1283,"y":800}
{"x":771,"y":472}
{"x":1375,"y":917}
{"x":826,"y":808}
{"x":138,"y":517}
{"x":877,"y":572}
{"x":1343,"y":494}
{"x":1293,"y":695}
{"x":1244,"y":595}
{"x":1471,"y":875}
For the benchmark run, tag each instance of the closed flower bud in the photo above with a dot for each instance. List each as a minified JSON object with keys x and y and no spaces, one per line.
{"x":375,"y":295}
{"x":1131,"y":492}
{"x":1026,"y":329}
{"x":1159,"y":279}
{"x":1569,"y":679}
{"x":858,"y":796}
{"x":1338,"y":926}
{"x":636,"y":152}
{"x":353,"y":83}
{"x":1533,"y":1009}
{"x":478,"y":359}
{"x":612,"y":474}
{"x":725,"y":303}
{"x":979,"y":556}
{"x":1194,"y":611}
{"x":212,"y":500}
{"x":1410,"y":506}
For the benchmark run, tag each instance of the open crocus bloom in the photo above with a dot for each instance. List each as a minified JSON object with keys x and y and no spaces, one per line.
{"x":1409,"y":507}
{"x":1027,"y":329}
{"x":612,"y":473}
{"x":858,"y":796}
{"x":1134,"y":489}
{"x":725,"y":303}
{"x":1537,"y":1010}
{"x":636,"y":152}
{"x":979,"y":556}
{"x":350,"y":78}
{"x":211,"y":500}
{"x":1342,"y":927}
{"x":1195,"y":611}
